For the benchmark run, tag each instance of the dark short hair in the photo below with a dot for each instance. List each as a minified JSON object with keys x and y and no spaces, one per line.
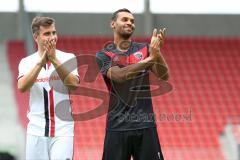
{"x":115,"y":14}
{"x":41,"y":21}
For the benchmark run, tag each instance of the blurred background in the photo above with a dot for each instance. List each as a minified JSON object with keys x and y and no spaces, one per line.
{"x":198,"y":119}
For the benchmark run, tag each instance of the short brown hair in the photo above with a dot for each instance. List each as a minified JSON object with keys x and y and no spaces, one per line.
{"x":41,"y":21}
{"x":115,"y":14}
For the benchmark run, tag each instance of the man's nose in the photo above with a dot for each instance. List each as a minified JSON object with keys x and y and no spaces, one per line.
{"x":129,"y":22}
{"x":52,"y":37}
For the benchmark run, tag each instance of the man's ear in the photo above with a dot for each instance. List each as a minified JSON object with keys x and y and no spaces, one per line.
{"x":35,"y":36}
{"x":112,"y":25}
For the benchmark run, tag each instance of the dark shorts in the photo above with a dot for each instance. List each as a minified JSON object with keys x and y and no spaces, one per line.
{"x":141,"y":144}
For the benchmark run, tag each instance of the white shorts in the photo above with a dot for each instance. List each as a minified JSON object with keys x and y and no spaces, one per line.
{"x":49,"y":148}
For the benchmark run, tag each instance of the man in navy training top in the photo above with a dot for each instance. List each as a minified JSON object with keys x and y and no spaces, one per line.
{"x":125,"y":65}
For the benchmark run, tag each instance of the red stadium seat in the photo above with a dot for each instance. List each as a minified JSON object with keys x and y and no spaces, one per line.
{"x":205,"y":77}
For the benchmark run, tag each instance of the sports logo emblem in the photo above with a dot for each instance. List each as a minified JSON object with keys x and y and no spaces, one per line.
{"x":138,"y":55}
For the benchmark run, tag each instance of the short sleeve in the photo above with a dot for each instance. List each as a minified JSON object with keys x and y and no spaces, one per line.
{"x":71,"y":65}
{"x":75,"y":65}
{"x":103,"y":62}
{"x":22,"y":69}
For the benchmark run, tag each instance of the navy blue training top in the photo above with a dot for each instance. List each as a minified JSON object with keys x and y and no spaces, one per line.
{"x":130,"y":105}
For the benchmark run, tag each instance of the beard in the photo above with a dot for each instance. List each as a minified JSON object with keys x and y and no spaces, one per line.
{"x":125,"y":34}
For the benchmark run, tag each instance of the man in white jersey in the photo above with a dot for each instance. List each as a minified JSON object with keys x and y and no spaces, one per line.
{"x":47,"y":78}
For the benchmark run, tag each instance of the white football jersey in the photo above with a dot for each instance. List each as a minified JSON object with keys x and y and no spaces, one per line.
{"x":49,"y":104}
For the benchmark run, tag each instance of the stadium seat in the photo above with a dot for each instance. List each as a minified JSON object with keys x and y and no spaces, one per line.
{"x":204,"y":73}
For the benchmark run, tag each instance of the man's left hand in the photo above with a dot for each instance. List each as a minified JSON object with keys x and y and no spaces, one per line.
{"x":51,"y":49}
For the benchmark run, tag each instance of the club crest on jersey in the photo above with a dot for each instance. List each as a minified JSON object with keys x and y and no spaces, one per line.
{"x":138,"y":55}
{"x":115,"y":58}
